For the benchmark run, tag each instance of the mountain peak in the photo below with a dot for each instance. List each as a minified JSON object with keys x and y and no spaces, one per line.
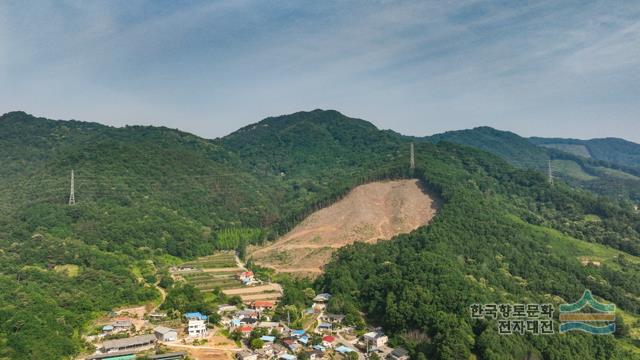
{"x":17,"y":115}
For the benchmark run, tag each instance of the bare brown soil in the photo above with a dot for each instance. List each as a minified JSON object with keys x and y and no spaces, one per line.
{"x":370,"y":212}
{"x":254,"y":289}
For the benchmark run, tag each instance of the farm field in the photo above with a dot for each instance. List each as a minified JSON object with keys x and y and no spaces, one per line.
{"x":219,"y":271}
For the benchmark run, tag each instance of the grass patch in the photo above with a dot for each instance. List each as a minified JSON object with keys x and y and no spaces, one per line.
{"x":616,"y":173}
{"x":571,"y":247}
{"x":70,"y":270}
{"x":571,"y":169}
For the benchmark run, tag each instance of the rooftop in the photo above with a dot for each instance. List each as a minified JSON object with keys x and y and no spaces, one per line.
{"x":195,"y":315}
{"x":399,"y":352}
{"x":110,"y":355}
{"x":163,"y":330}
{"x":134,"y":341}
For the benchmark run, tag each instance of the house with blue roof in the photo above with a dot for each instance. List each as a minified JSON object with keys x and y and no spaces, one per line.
{"x":195,"y":316}
{"x":269,"y":339}
{"x":344,"y":350}
{"x":297,"y":333}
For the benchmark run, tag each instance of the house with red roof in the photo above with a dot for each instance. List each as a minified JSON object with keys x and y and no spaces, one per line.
{"x":263,"y":305}
{"x":328,"y":341}
{"x":246,"y":330}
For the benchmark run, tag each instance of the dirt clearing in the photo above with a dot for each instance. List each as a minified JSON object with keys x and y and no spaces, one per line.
{"x":370,"y":212}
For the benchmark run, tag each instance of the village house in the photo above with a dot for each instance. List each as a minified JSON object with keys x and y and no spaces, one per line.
{"x":122,"y":324}
{"x":262,"y":305}
{"x":374,"y":339}
{"x":246,"y":277}
{"x":226,"y":308}
{"x":398,"y":354}
{"x":270,"y":326}
{"x":246,"y":330}
{"x":266,"y":352}
{"x":320,"y":301}
{"x":197,"y":328}
{"x":315,"y":354}
{"x":268,"y":339}
{"x":248,"y":321}
{"x":248,"y":313}
{"x":278,"y":349}
{"x":197,"y":324}
{"x":157,"y":316}
{"x":107,"y":329}
{"x":344,"y":350}
{"x":165,"y":334}
{"x":333,"y":318}
{"x":132,"y":343}
{"x":123,"y":355}
{"x":246,"y":355}
{"x":328,"y":341}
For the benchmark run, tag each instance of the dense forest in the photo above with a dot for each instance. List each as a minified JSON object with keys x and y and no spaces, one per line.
{"x":609,"y":167}
{"x":150,"y":195}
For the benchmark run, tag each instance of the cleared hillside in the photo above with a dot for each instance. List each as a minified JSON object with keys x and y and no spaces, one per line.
{"x":370,"y":212}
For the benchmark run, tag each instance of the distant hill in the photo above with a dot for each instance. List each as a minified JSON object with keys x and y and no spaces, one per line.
{"x":509,"y":146}
{"x":571,"y":160}
{"x":612,"y":150}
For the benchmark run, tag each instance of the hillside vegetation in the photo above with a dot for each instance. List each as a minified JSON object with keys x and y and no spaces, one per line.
{"x":612,"y":150}
{"x":157,"y":194}
{"x":609,"y":167}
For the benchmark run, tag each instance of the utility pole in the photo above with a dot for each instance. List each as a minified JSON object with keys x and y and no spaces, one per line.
{"x":412,"y":161}
{"x":550,"y":173}
{"x":72,"y":196}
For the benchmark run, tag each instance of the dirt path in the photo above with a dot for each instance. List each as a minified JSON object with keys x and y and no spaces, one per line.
{"x":227,"y":269}
{"x":265,"y":296}
{"x":369,"y":213}
{"x":199,"y":347}
{"x":255,"y":289}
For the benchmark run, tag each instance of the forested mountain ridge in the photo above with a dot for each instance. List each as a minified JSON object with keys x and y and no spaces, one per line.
{"x":614,"y":172}
{"x":515,"y":149}
{"x":149,"y":195}
{"x":612,"y":150}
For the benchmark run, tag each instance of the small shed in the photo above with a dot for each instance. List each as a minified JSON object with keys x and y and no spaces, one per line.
{"x":165,"y":334}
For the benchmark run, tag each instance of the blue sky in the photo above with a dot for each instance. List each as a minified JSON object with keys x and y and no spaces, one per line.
{"x":547,"y":68}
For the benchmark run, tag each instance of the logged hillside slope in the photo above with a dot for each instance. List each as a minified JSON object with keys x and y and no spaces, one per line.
{"x":146,"y":196}
{"x":370,"y":212}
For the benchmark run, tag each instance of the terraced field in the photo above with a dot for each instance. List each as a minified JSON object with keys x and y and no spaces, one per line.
{"x":219,"y":260}
{"x":218,"y":271}
{"x":211,"y":272}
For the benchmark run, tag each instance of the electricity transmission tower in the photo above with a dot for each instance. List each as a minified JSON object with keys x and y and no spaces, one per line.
{"x":412,"y":161}
{"x":72,"y":196}
{"x":550,"y":173}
